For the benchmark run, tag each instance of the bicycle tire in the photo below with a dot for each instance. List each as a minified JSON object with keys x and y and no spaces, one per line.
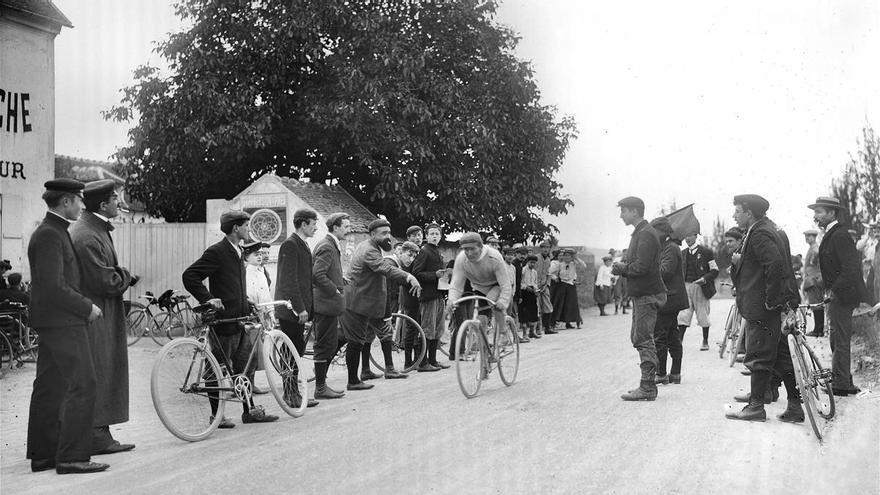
{"x":797,"y":360}
{"x":175,"y":327}
{"x":508,"y":353}
{"x":184,"y":364}
{"x":400,"y":323}
{"x":135,"y":324}
{"x":285,"y":372}
{"x":822,"y":386}
{"x":7,"y":352}
{"x":740,"y":336}
{"x":191,"y":321}
{"x":29,"y":345}
{"x":157,"y":328}
{"x":728,"y":331}
{"x":470,"y":357}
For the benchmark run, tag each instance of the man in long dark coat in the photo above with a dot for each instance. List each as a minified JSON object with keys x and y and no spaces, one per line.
{"x":104,"y":282}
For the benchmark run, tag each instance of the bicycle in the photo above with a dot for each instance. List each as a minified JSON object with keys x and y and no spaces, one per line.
{"x":171,"y":322}
{"x":18,"y":342}
{"x":476,"y":356}
{"x":186,"y":376}
{"x":813,"y":380}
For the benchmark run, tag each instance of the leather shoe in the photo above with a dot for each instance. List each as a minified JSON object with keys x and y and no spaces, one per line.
{"x":114,"y":448}
{"x":550,"y":331}
{"x":794,"y":413}
{"x":424,"y":367}
{"x":257,"y":415}
{"x":369,"y":375}
{"x":438,"y":364}
{"x":843,"y":392}
{"x":360,"y":386}
{"x":661,"y":380}
{"x":392,"y":374}
{"x":79,"y":467}
{"x":771,"y":396}
{"x":326,"y":392}
{"x":312,"y":403}
{"x":748,"y":413}
{"x":225,"y":423}
{"x":38,"y":465}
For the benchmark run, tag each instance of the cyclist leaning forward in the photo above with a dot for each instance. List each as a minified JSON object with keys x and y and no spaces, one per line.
{"x":486,"y":270}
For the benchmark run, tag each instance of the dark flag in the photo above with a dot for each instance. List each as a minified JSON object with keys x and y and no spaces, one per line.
{"x":684,"y":221}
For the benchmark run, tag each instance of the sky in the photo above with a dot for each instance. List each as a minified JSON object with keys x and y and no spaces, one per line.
{"x":686,"y":101}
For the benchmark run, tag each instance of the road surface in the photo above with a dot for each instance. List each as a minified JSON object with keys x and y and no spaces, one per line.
{"x":560,"y":429}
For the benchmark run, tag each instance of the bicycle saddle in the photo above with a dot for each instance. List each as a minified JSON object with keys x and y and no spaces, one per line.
{"x":165,"y":300}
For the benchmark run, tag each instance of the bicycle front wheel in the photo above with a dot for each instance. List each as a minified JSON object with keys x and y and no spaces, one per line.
{"x":403,"y":329}
{"x":470,"y":358}
{"x":183,"y":384}
{"x":508,"y":352}
{"x":736,"y":340}
{"x":158,"y":328}
{"x":285,"y":371}
{"x":728,"y":332}
{"x":804,"y":384}
{"x":822,"y":394}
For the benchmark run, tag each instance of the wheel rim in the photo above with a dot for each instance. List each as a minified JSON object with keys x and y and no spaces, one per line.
{"x":508,"y":353}
{"x":282,"y":364}
{"x":736,"y":339}
{"x":134,"y":325}
{"x":799,"y":373}
{"x":401,"y":325}
{"x":469,"y":358}
{"x":180,"y":376}
{"x":820,"y":390}
{"x":159,"y":328}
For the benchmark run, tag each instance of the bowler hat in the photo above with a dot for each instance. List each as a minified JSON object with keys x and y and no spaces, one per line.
{"x":826,"y":202}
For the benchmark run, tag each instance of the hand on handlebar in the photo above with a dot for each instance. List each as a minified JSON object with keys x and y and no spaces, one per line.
{"x":217,"y":303}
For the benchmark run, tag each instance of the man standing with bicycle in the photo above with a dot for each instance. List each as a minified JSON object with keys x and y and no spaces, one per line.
{"x":328,"y":288}
{"x":105,"y":283}
{"x":223,"y":266}
{"x":765,"y":286}
{"x":365,"y":300}
{"x":841,"y":274}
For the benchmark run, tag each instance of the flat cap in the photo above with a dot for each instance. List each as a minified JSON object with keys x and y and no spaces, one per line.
{"x":826,"y":202}
{"x":409,"y":246}
{"x":544,"y":243}
{"x":522,"y":250}
{"x":99,"y":188}
{"x":378,"y":224}
{"x":755,"y":203}
{"x":412,"y":230}
{"x":335,"y":217}
{"x":492,"y":240}
{"x":811,"y":232}
{"x":662,"y":224}
{"x":734,"y":233}
{"x":65,"y":185}
{"x":531,"y":257}
{"x":233,"y":216}
{"x":305,"y":214}
{"x":569,"y":251}
{"x":632,"y":202}
{"x":252,"y":247}
{"x":470,"y":238}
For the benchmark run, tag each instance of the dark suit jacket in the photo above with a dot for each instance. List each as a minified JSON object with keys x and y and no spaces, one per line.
{"x":642,"y":270}
{"x":703,"y":260}
{"x":839,"y":264}
{"x":56,"y":295}
{"x":365,"y":294}
{"x":225,"y":271}
{"x":764,"y":278}
{"x":327,"y":283}
{"x":425,"y":267}
{"x":673,"y":278}
{"x":294,"y":282}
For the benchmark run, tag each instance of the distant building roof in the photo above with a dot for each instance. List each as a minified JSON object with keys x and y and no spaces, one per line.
{"x":85,"y":170}
{"x":326,"y":199}
{"x":44,"y":9}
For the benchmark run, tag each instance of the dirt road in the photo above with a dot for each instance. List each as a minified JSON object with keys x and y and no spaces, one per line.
{"x":560,"y":429}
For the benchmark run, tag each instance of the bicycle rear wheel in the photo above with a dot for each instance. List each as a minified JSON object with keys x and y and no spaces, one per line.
{"x":29,"y":345}
{"x":183,"y":372}
{"x":135,"y":324}
{"x":285,"y":372}
{"x":508,"y":352}
{"x":804,"y":385}
{"x":190,"y":321}
{"x":470,"y":358}
{"x":175,"y":327}
{"x":7,"y":354}
{"x":401,"y":326}
{"x":736,"y":340}
{"x":158,"y":327}
{"x":822,"y":393}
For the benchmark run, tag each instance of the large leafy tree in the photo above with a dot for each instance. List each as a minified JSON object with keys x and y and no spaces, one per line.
{"x":858,"y":186}
{"x":418,"y":108}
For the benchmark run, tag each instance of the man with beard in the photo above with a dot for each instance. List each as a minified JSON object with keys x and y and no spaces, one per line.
{"x":841,"y":274}
{"x":366,"y":298}
{"x":105,"y":283}
{"x":813,"y":282}
{"x":641,"y":269}
{"x":765,"y":286}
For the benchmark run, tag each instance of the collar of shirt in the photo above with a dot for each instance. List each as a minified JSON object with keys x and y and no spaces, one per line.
{"x":59,"y":216}
{"x":237,"y":249}
{"x":830,"y":225}
{"x":693,"y":249}
{"x":102,"y":217}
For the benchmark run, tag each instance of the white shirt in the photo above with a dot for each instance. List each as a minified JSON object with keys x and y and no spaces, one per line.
{"x":529,"y":278}
{"x":257,"y":285}
{"x":603,"y":277}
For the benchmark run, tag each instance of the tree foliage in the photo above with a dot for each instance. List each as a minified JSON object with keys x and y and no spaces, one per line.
{"x":858,"y":186}
{"x":716,"y":242}
{"x":418,"y":108}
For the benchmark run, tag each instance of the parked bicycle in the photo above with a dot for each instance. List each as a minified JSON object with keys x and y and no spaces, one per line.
{"x":477,"y":354}
{"x":186,"y":376}
{"x":814,"y":381}
{"x":734,"y":333}
{"x":174,"y":318}
{"x":18,"y":342}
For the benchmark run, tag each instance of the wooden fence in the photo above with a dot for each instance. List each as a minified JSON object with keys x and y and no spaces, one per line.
{"x":158,"y":252}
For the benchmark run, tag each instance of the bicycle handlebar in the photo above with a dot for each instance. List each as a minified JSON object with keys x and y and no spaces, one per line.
{"x":473,"y":298}
{"x":275,"y":303}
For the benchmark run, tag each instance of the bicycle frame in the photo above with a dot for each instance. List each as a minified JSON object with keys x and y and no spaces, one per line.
{"x":476,"y":316}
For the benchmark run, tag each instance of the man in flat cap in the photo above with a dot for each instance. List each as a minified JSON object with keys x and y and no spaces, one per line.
{"x":327,"y":290}
{"x":294,"y":284}
{"x":765,"y":286}
{"x":415,"y":235}
{"x":667,"y":336}
{"x":365,"y":299}
{"x":842,"y":278}
{"x":641,"y":268}
{"x":700,"y":270}
{"x":812,"y":285}
{"x":62,"y":408}
{"x":222,"y":264}
{"x":545,"y":294}
{"x":429,"y":268}
{"x":105,"y":283}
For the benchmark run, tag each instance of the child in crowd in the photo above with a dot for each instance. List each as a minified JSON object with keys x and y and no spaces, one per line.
{"x":528,"y":307}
